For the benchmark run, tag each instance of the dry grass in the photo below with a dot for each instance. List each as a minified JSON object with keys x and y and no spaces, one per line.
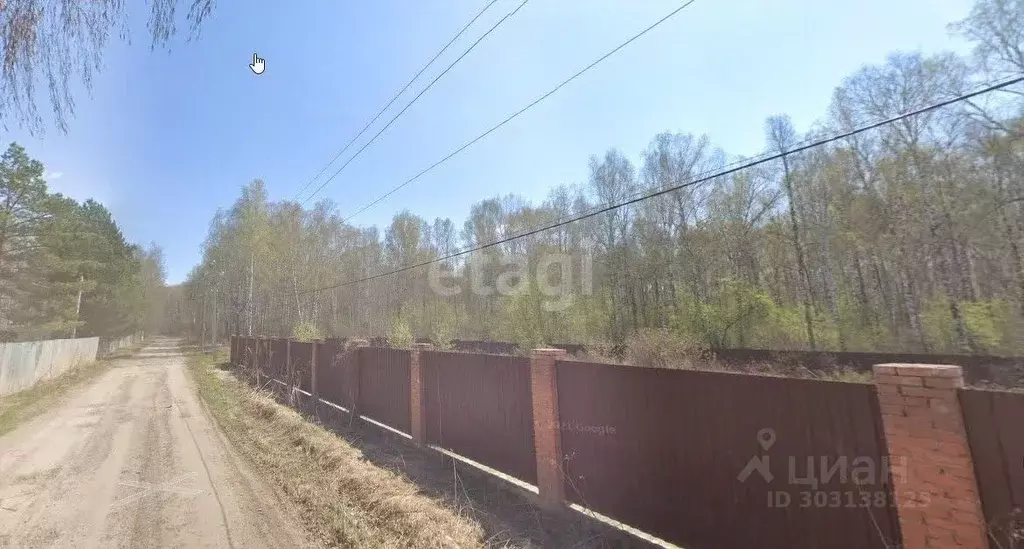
{"x":22,"y":406}
{"x":986,"y":385}
{"x":665,"y":350}
{"x":343,"y":499}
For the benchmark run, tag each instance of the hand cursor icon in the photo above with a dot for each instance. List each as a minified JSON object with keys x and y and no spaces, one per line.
{"x":258,"y":65}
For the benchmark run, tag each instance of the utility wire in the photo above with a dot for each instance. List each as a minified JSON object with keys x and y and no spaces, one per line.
{"x":395,"y":98}
{"x":514,"y":115}
{"x":701,"y":179}
{"x":414,"y":99}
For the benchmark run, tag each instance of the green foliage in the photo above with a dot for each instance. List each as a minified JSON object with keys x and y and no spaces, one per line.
{"x":400,"y":335}
{"x":785,"y":327}
{"x":521,"y":320}
{"x":990,"y":323}
{"x":305,"y":331}
{"x":735,"y":313}
{"x":443,"y":326}
{"x":936,"y":323}
{"x":866,"y":237}
{"x":660,"y":348}
{"x":53,"y":250}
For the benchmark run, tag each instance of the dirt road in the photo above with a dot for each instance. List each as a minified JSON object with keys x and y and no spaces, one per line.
{"x":134,"y":461}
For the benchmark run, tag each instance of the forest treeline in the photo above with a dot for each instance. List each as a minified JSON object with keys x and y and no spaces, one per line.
{"x":906,"y":238}
{"x":65,"y":267}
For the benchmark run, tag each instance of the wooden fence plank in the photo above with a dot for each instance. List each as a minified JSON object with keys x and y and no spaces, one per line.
{"x":993,"y":420}
{"x":664,"y":451}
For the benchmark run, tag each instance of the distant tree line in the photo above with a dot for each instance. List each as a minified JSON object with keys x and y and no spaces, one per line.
{"x":907,"y":238}
{"x":65,"y":268}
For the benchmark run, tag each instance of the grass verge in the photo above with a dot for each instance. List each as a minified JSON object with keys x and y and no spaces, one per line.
{"x":343,"y":499}
{"x":22,"y":406}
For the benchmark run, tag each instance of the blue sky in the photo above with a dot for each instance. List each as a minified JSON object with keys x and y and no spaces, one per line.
{"x":167,"y":138}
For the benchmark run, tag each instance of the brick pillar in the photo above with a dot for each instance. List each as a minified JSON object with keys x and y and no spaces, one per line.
{"x":417,"y":405}
{"x":352,"y":364}
{"x":547,"y":438}
{"x":936,"y":494}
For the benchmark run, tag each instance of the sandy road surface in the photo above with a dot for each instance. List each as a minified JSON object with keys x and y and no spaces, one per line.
{"x":133,"y":460}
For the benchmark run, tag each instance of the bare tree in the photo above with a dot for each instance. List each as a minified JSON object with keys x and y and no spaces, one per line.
{"x":782,"y":137}
{"x":50,"y":44}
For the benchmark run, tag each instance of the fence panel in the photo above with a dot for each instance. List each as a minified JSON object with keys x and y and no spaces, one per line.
{"x":245,"y":350}
{"x":278,"y":348}
{"x":715,"y":460}
{"x":384,"y":386}
{"x":332,"y":367}
{"x":993,"y":420}
{"x":252,"y":346}
{"x":26,"y":363}
{"x":260,"y":356}
{"x":267,"y":357}
{"x":480,"y":407}
{"x":302,"y":354}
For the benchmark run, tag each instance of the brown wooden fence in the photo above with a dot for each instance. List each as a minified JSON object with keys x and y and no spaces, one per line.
{"x":265,"y":356}
{"x":334,"y":373}
{"x":666,"y":451}
{"x":278,"y":354}
{"x":479,"y":406}
{"x":302,"y":355}
{"x":384,"y":386}
{"x":249,"y":352}
{"x":243,"y":348}
{"x":995,"y":429}
{"x":701,"y":459}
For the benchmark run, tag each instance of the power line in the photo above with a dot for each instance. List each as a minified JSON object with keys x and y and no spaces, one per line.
{"x":396,"y":95}
{"x":414,"y":99}
{"x":520,"y":111}
{"x":702,"y":179}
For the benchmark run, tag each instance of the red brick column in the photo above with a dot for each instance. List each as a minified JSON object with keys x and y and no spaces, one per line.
{"x":936,"y":494}
{"x":546,"y":435}
{"x":417,"y":405}
{"x":352,"y":364}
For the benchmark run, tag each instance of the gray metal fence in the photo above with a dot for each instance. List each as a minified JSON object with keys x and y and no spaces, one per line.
{"x":26,"y":363}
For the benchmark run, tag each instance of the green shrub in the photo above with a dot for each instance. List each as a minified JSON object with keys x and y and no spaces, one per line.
{"x":443,"y":326}
{"x":400,"y":334}
{"x":659,"y":348}
{"x":305,"y":331}
{"x":987,"y":322}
